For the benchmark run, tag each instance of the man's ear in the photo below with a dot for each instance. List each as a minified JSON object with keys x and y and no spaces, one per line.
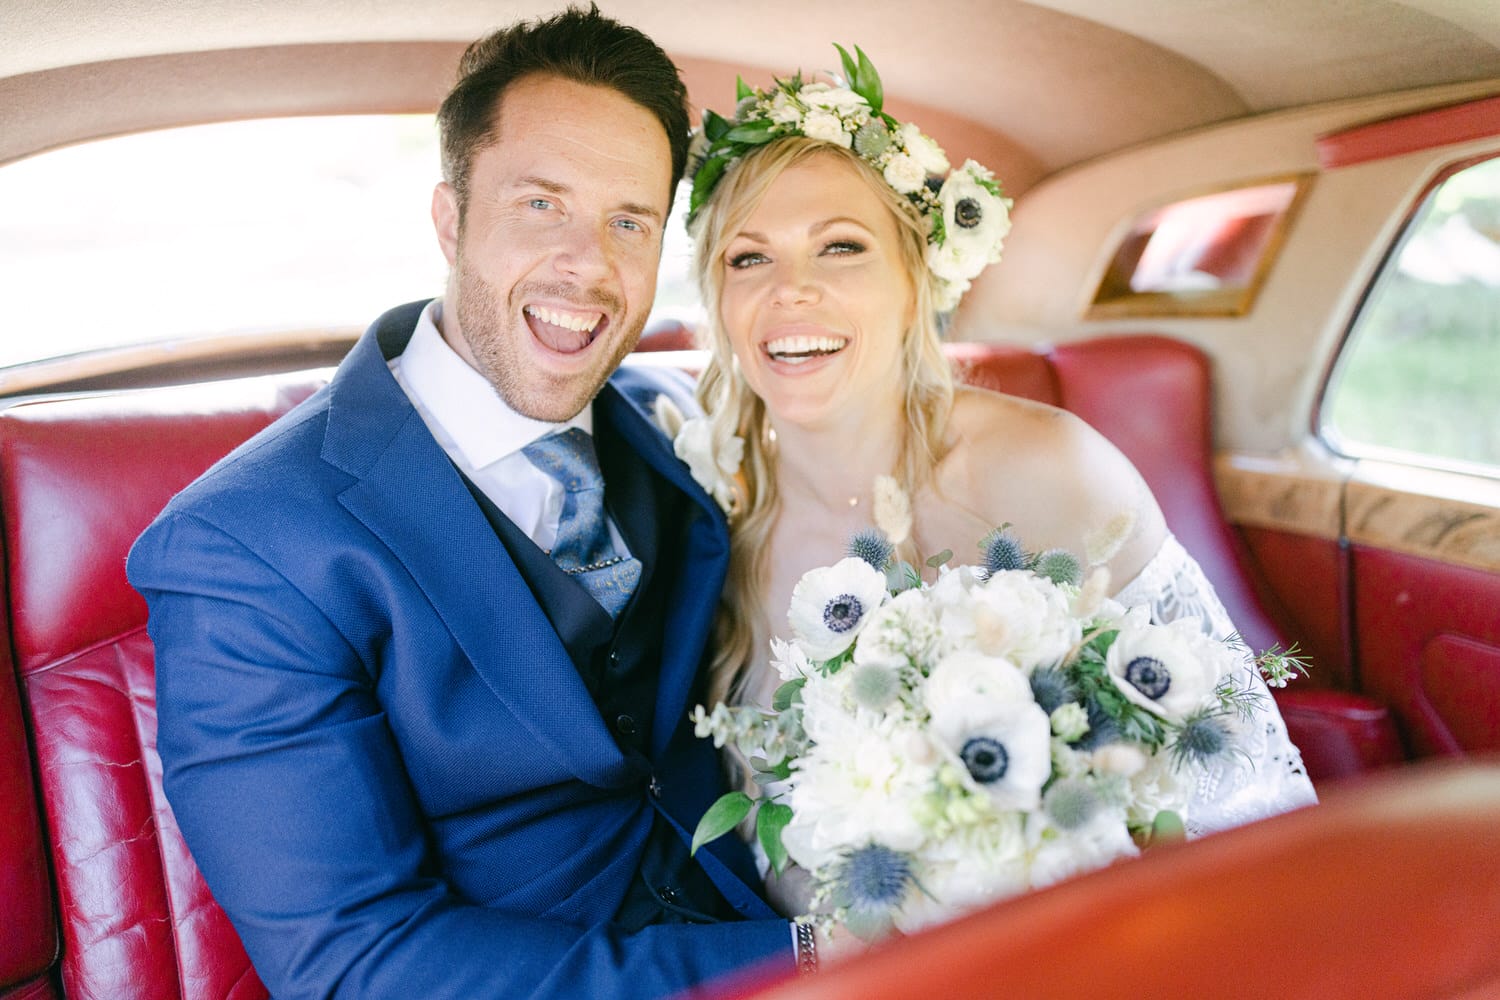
{"x":445,"y":220}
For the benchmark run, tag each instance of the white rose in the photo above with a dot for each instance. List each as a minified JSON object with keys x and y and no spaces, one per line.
{"x":694,"y":444}
{"x":922,"y":149}
{"x":826,"y":127}
{"x":904,"y":174}
{"x":1169,"y":670}
{"x":1025,"y":619}
{"x":783,"y":111}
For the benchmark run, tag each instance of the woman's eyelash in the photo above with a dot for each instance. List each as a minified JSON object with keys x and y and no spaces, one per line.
{"x":844,"y":246}
{"x":742,"y":260}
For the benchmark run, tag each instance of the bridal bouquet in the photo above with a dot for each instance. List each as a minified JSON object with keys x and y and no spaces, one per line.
{"x":939,"y":744}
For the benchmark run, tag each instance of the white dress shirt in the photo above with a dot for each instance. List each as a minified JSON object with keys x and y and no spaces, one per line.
{"x":479,"y":432}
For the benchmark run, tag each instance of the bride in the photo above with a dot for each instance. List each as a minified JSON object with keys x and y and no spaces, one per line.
{"x":828,"y":239}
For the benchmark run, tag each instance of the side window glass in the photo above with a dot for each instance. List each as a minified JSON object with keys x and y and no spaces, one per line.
{"x":1419,"y":377}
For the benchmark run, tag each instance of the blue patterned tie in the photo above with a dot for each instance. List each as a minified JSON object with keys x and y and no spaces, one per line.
{"x":584,"y":548}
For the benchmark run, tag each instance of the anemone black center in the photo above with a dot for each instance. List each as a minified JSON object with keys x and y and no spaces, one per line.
{"x":843,"y":613}
{"x":985,"y":758}
{"x":967,"y":213}
{"x":1149,"y":676}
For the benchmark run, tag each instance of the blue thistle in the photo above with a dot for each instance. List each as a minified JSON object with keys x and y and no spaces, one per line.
{"x":1051,"y":688}
{"x":872,"y":878}
{"x":1203,"y":736}
{"x":871,"y":545}
{"x":1002,"y":551}
{"x":1102,"y":727}
{"x":1060,"y":566}
{"x":1071,"y":803}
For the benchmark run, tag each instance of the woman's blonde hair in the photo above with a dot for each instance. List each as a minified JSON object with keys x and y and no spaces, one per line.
{"x":736,"y":410}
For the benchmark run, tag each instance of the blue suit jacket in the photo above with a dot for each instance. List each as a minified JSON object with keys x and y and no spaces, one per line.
{"x":384,"y":762}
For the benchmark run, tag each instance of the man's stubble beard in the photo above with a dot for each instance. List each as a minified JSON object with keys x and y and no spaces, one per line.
{"x":482,"y":318}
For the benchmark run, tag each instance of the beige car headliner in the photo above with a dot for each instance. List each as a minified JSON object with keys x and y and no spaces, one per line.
{"x":1029,"y":87}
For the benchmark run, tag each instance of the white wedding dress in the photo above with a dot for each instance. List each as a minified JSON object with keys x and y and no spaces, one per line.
{"x":1267,"y":776}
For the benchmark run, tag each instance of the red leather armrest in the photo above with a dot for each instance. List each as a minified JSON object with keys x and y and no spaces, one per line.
{"x":1340,"y":734}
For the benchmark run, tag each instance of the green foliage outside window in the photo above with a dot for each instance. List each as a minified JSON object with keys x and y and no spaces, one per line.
{"x":1421,"y":373}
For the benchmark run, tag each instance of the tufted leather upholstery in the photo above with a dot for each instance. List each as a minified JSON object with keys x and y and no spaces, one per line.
{"x":80,"y":478}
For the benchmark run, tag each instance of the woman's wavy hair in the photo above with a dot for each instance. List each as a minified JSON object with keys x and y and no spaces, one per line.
{"x":736,"y":410}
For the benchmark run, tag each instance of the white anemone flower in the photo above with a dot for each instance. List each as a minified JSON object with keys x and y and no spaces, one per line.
{"x":1169,"y":670}
{"x":983,"y":712}
{"x":975,"y":223}
{"x":832,"y":603}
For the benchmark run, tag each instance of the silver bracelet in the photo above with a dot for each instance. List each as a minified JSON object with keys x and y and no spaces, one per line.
{"x":807,"y":950}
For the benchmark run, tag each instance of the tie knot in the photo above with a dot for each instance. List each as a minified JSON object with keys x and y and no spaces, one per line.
{"x":568,"y":457}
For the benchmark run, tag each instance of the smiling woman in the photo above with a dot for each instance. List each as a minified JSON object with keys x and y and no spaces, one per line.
{"x":240,"y":227}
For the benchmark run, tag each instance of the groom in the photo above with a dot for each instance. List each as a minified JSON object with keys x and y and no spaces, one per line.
{"x":426,"y":646}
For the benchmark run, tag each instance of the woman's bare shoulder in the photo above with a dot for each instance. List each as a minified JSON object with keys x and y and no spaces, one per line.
{"x":1046,"y":470}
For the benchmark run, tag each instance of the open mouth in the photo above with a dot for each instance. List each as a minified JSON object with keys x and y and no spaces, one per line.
{"x":566,"y":331}
{"x":801,"y":349}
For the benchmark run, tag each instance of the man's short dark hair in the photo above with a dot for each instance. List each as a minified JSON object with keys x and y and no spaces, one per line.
{"x":579,"y":45}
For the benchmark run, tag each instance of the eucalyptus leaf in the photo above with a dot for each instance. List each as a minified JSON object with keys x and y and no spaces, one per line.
{"x":724,"y":815}
{"x":941,"y":558}
{"x":786,"y":694}
{"x":769,"y":822}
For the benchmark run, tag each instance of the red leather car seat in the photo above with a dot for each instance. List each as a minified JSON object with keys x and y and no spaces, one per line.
{"x":80,"y":479}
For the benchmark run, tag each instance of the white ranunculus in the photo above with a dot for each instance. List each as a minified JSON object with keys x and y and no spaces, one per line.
{"x":822,"y":95}
{"x":982,"y":710}
{"x":831,"y":604}
{"x":694,"y":444}
{"x":904,"y":174}
{"x":852,"y":786}
{"x":926,"y":152}
{"x":1160,"y":785}
{"x":1169,"y":670}
{"x":826,"y":127}
{"x":1024,"y":618}
{"x":901,"y":631}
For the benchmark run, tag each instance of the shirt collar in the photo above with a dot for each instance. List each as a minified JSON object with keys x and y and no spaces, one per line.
{"x":481,"y":425}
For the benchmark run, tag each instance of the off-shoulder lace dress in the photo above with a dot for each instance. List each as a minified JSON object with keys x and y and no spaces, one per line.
{"x":1268,"y":776}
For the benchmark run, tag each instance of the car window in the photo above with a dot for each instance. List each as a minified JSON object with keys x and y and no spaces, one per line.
{"x":239,"y":227}
{"x":1419,"y":377}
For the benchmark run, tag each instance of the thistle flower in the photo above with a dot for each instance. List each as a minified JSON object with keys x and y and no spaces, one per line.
{"x":872,"y":546}
{"x":872,"y":879}
{"x":1204,"y":735}
{"x":1051,"y":688}
{"x":1071,"y":803}
{"x":1060,"y":566}
{"x":1002,"y":551}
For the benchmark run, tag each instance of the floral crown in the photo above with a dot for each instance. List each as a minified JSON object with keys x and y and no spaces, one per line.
{"x":967,"y":217}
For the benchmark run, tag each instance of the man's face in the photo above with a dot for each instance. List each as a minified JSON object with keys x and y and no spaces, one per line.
{"x":553,"y":265}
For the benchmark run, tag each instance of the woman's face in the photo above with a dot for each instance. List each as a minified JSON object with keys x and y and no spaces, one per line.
{"x":816,"y":300}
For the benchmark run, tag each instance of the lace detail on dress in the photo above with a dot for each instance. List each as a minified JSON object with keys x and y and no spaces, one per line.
{"x":1267,"y":777}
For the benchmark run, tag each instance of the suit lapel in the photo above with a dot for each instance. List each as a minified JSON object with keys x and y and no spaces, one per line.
{"x":409,"y":495}
{"x":699,"y":575}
